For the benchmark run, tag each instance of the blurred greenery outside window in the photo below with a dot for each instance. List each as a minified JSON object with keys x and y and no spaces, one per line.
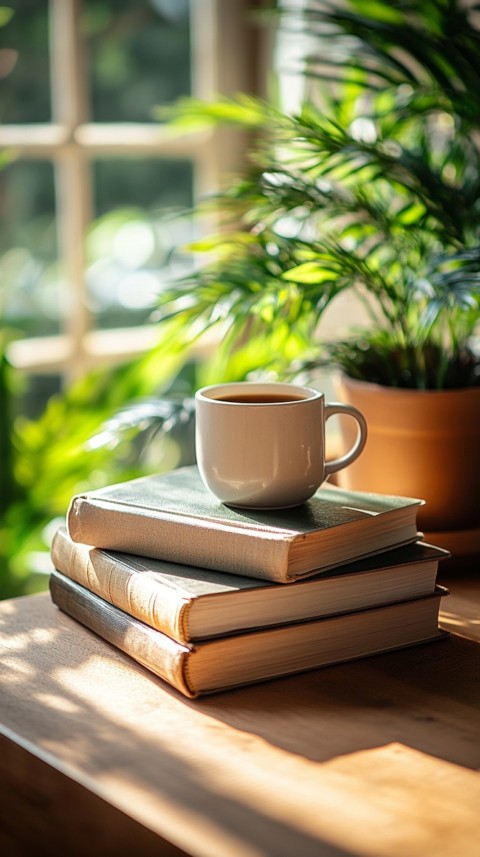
{"x":91,"y":185}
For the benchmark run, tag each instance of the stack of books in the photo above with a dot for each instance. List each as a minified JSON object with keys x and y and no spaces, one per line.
{"x":209,"y":597}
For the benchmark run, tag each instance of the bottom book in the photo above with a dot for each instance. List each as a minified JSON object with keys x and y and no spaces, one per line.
{"x":250,"y":657}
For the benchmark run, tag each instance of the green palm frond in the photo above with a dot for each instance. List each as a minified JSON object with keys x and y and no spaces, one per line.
{"x":147,"y":418}
{"x":372,"y":187}
{"x":430,"y":45}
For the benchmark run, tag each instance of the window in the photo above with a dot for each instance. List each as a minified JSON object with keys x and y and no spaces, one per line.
{"x":90,"y":174}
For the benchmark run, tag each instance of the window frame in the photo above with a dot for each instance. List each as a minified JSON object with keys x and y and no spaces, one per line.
{"x":228,"y":56}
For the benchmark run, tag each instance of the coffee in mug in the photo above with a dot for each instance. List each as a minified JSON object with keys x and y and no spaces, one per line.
{"x":261,"y":445}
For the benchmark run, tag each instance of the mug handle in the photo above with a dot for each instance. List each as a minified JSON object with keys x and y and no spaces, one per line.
{"x":340,"y":408}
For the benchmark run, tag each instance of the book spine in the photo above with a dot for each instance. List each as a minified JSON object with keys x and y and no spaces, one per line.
{"x":129,"y":588}
{"x":152,"y":649}
{"x":191,"y":541}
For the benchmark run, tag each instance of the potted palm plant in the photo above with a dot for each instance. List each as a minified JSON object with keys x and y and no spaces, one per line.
{"x":372,"y":190}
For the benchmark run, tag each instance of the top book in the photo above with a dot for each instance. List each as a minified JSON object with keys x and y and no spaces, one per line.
{"x":172,"y":516}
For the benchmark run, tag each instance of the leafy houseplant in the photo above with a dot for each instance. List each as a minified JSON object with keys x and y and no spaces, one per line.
{"x":372,"y":189}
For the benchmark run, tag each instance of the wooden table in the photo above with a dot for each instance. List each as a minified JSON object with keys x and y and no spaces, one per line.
{"x":375,"y":758}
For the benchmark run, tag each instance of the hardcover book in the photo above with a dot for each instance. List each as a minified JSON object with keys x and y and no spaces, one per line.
{"x":190,"y":603}
{"x":245,"y":658}
{"x":173,"y":517}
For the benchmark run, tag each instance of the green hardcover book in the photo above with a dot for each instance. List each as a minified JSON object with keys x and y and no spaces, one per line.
{"x":172,"y":516}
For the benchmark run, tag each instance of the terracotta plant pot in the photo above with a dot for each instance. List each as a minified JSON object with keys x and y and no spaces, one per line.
{"x":420,"y":444}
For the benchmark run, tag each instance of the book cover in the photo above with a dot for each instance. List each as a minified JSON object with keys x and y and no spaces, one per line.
{"x":246,"y":658}
{"x":172,"y":516}
{"x":191,"y":603}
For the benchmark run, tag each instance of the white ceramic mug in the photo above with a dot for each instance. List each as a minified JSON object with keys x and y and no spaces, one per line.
{"x":262,"y":445}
